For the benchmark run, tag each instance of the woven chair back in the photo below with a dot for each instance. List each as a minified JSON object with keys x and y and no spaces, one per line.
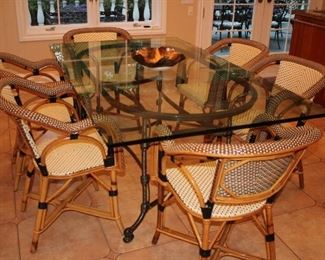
{"x":242,"y":52}
{"x":303,"y":77}
{"x":96,"y":34}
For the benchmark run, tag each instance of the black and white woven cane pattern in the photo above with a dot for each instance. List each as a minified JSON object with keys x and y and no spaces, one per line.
{"x":47,"y":122}
{"x":241,"y":54}
{"x":27,"y":64}
{"x":306,"y":136}
{"x":25,"y":132}
{"x":43,"y":90}
{"x":296,"y":77}
{"x":203,"y":174}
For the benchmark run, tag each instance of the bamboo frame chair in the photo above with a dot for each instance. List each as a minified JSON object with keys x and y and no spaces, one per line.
{"x":46,"y":71}
{"x":67,"y":153}
{"x":239,"y":184}
{"x":303,"y":77}
{"x":50,"y":92}
{"x":119,"y":77}
{"x":240,"y":52}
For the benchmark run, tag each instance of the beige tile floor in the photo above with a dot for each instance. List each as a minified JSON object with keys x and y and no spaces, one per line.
{"x":299,"y":219}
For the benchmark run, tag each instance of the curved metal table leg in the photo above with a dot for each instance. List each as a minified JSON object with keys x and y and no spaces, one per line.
{"x":144,"y":178}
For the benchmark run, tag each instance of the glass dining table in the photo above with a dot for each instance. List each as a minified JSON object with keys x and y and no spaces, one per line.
{"x":144,"y":82}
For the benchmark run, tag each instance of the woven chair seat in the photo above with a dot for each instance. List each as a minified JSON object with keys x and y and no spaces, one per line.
{"x":72,"y":158}
{"x":203,"y":174}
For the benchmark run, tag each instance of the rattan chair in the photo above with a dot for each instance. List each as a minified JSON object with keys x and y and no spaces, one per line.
{"x":239,"y":183}
{"x":240,"y":52}
{"x":295,"y":75}
{"x":118,"y":76}
{"x":58,"y":94}
{"x":300,"y":76}
{"x":46,"y":71}
{"x":66,"y":153}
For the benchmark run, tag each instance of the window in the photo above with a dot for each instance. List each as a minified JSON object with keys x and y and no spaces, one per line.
{"x":50,"y":19}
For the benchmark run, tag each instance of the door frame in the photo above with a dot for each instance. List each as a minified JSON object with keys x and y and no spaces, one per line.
{"x":204,"y":24}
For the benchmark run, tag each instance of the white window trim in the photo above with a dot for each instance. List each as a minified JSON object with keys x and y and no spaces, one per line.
{"x":50,"y":32}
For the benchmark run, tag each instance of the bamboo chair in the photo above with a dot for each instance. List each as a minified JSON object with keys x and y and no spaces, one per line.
{"x":294,"y":75}
{"x":239,"y":52}
{"x":45,"y":71}
{"x":120,"y":78}
{"x":113,"y":68}
{"x":66,"y":154}
{"x":54,"y":94}
{"x":239,"y":184}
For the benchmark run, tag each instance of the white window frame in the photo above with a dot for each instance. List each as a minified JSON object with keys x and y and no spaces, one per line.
{"x":54,"y":32}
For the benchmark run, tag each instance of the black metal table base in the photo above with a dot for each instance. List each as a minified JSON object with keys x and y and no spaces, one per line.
{"x":144,"y":178}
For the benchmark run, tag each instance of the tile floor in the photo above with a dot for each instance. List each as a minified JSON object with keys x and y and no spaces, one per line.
{"x":299,"y":219}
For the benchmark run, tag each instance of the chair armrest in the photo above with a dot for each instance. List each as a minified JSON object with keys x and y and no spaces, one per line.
{"x":33,"y":66}
{"x":54,"y":89}
{"x":274,"y":101}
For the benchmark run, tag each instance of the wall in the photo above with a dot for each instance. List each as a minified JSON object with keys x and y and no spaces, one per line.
{"x":179,"y":24}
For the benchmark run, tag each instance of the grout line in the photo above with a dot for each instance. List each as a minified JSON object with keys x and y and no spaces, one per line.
{"x":291,"y":250}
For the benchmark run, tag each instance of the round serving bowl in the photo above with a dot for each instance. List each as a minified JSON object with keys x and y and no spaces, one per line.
{"x":157,"y":58}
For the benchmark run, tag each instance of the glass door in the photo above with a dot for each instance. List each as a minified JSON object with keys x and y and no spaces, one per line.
{"x":232,"y":19}
{"x":266,"y":21}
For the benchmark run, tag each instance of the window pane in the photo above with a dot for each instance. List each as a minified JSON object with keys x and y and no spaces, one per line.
{"x":125,"y":10}
{"x":46,"y":12}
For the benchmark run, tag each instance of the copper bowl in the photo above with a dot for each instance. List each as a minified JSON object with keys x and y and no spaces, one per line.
{"x":157,"y":57}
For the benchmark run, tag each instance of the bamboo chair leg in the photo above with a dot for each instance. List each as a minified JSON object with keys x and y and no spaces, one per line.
{"x":300,"y":172}
{"x":224,"y":233}
{"x":160,"y":214}
{"x":205,"y":248}
{"x":41,"y":213}
{"x":15,"y":151}
{"x":27,"y":185}
{"x":114,"y":199}
{"x":20,"y":163}
{"x":269,"y":239}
